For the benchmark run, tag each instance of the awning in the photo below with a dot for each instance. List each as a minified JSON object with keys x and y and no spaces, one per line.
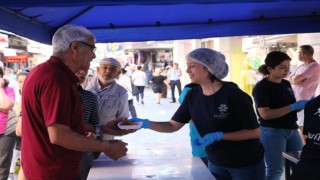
{"x":152,"y":20}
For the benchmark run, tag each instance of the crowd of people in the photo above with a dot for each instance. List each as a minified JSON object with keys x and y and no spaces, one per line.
{"x":70,"y":120}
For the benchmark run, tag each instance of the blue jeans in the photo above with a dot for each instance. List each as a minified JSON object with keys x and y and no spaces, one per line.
{"x":173,"y":84}
{"x":276,"y":141}
{"x":256,"y":172}
{"x":141,"y":93}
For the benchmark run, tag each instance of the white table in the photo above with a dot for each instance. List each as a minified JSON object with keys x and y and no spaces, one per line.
{"x":149,"y":167}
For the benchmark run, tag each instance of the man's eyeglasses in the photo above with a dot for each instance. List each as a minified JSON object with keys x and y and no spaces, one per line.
{"x":109,"y":68}
{"x":92,"y":47}
{"x":89,"y":45}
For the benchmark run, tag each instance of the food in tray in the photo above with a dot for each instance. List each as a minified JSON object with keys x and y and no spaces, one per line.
{"x":127,"y":123}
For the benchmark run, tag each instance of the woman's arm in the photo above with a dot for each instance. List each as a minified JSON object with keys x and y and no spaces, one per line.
{"x":266,"y":113}
{"x":166,"y":127}
{"x":244,"y":134}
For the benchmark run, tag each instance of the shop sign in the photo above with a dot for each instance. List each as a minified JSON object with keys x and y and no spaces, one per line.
{"x":115,"y":49}
{"x":17,"y":59}
{"x":4,"y":40}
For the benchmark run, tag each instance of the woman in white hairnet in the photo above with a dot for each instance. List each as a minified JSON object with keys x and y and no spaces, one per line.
{"x":224,"y":117}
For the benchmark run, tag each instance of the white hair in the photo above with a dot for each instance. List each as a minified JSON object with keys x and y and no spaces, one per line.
{"x":65,"y":35}
{"x":157,"y":71}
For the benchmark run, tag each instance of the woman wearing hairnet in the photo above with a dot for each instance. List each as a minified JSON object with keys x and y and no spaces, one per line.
{"x":224,"y":117}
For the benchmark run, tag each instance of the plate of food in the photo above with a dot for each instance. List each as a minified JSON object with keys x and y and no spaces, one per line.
{"x":126,"y":124}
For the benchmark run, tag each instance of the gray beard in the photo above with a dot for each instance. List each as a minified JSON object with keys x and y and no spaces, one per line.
{"x":105,"y":82}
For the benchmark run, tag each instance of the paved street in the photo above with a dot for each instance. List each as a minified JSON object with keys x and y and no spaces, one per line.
{"x":159,"y":112}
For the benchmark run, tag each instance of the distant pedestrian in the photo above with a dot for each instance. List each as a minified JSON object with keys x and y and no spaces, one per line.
{"x":158,"y":84}
{"x":125,"y":81}
{"x":305,"y":79}
{"x":139,"y":79}
{"x":149,"y":73}
{"x":164,"y":93}
{"x":15,"y":162}
{"x":174,"y":75}
{"x":7,"y":142}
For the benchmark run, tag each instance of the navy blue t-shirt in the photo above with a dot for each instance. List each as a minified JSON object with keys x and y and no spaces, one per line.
{"x":275,"y":95}
{"x":228,"y":110}
{"x":311,"y":150}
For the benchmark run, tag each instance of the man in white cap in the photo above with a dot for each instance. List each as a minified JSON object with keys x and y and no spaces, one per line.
{"x":112,"y":97}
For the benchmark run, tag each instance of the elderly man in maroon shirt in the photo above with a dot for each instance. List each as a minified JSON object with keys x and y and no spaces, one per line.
{"x":53,"y":133}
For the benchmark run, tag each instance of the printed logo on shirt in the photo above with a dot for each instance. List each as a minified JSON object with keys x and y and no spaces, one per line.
{"x":318,"y":112}
{"x":314,"y":137}
{"x":223,"y":108}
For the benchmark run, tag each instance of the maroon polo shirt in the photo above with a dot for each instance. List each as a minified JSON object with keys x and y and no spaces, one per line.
{"x":50,"y":96}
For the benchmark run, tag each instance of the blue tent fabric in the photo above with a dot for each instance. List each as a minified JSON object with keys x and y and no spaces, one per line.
{"x":143,"y":20}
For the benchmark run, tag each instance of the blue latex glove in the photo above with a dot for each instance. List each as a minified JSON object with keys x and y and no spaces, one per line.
{"x":145,"y":122}
{"x":183,"y":94}
{"x":196,"y":142}
{"x":298,"y":105}
{"x":208,"y":139}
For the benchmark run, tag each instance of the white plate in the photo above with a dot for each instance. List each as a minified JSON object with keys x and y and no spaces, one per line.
{"x":126,"y":127}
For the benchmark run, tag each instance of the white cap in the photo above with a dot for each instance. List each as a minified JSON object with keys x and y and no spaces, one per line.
{"x":111,"y":61}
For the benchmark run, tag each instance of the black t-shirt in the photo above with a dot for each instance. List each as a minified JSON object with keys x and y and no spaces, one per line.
{"x":311,"y":150}
{"x":228,"y":110}
{"x":158,"y":80}
{"x":275,"y":95}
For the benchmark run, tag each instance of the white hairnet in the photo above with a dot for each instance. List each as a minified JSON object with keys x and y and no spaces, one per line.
{"x":211,"y":59}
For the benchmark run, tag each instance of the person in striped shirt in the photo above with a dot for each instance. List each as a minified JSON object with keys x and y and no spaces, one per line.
{"x":90,"y":117}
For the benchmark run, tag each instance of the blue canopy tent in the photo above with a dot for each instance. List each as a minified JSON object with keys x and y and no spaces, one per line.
{"x":142,"y":20}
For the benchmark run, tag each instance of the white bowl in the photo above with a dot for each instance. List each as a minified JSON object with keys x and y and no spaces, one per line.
{"x":126,"y":127}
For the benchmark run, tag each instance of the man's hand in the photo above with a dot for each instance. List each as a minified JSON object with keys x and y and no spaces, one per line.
{"x":113,"y":129}
{"x":116,"y":149}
